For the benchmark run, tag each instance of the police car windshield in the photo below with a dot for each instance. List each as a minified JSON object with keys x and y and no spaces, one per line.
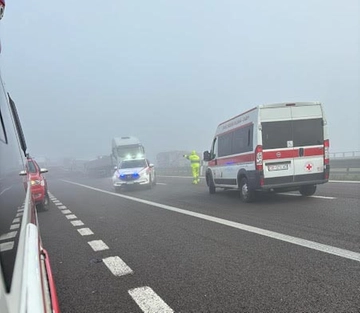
{"x":133,"y":164}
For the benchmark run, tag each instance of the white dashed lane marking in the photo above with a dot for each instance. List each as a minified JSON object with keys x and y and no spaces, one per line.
{"x":62,"y":207}
{"x":77,"y":223}
{"x":16,"y":220}
{"x":117,"y":266}
{"x":85,"y":231}
{"x":66,"y":212}
{"x":149,"y":301}
{"x":14,"y":226}
{"x":98,"y":245}
{"x":6,"y":246}
{"x":71,"y":216}
{"x":9,"y":235}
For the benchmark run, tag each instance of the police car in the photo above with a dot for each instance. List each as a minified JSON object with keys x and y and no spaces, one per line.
{"x":134,"y":172}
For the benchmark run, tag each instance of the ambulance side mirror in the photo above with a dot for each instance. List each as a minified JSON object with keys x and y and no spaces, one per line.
{"x":207,"y":156}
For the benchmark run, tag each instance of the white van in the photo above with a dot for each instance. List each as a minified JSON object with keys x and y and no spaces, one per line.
{"x":276,"y":147}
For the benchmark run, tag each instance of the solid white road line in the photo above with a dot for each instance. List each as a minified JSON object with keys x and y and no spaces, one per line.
{"x":85,"y":231}
{"x":345,"y":181}
{"x":117,"y":266}
{"x":66,"y":212}
{"x":149,"y":301}
{"x":6,"y":189}
{"x":6,"y":246}
{"x":98,"y":245}
{"x":299,"y":195}
{"x":14,"y":226}
{"x":77,"y":223}
{"x":347,"y":254}
{"x":62,"y":207}
{"x":71,"y":216}
{"x":9,"y":235}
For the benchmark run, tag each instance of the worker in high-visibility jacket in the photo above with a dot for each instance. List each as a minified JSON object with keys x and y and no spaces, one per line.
{"x":195,"y":166}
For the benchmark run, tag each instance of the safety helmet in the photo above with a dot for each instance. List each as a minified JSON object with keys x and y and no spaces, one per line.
{"x":193,"y":152}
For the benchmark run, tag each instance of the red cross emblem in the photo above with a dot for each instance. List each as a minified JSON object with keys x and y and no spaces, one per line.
{"x":309,"y":167}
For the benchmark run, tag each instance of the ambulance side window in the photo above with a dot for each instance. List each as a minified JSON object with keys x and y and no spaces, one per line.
{"x":214,"y":149}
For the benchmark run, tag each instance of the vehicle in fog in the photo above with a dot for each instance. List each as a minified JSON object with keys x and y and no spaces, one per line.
{"x":38,"y":183}
{"x":126,"y":147}
{"x":99,"y":167}
{"x":276,"y":147}
{"x":134,"y":172}
{"x":26,"y":280}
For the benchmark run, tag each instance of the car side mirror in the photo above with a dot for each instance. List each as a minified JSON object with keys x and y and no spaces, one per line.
{"x":207,"y":156}
{"x":115,"y":168}
{"x":22,"y":173}
{"x":151,"y":165}
{"x":43,"y":170}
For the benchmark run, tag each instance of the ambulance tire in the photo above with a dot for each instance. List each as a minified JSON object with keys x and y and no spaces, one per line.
{"x":246,"y":195}
{"x":307,"y":190}
{"x":211,"y":185}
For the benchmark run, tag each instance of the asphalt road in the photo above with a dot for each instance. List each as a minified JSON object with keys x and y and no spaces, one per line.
{"x":176,"y":248}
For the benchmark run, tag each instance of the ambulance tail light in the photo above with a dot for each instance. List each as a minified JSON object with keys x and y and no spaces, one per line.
{"x":326,"y":152}
{"x":259,"y":158}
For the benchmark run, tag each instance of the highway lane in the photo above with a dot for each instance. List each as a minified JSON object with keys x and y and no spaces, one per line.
{"x":195,"y":265}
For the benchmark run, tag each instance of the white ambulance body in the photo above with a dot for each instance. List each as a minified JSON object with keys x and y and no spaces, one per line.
{"x":277,"y":147}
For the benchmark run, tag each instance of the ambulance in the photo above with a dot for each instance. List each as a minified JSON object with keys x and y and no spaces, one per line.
{"x":275,"y":147}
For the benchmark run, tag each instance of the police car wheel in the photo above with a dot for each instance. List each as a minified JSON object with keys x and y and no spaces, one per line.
{"x":307,"y":190}
{"x":150,"y":184}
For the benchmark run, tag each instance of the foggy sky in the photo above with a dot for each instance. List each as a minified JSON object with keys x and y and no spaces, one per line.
{"x":82,"y":72}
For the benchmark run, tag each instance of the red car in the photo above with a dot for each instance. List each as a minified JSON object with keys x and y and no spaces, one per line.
{"x":38,"y":184}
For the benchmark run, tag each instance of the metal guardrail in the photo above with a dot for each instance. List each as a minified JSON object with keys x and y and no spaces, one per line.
{"x":347,"y":154}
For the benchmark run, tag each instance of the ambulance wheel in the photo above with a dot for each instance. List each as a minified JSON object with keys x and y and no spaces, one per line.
{"x":246,"y":195}
{"x":211,"y":185}
{"x":307,"y":190}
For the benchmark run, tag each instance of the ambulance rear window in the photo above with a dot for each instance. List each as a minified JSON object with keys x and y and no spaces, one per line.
{"x":308,"y":132}
{"x":276,"y":134}
{"x":296,"y":133}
